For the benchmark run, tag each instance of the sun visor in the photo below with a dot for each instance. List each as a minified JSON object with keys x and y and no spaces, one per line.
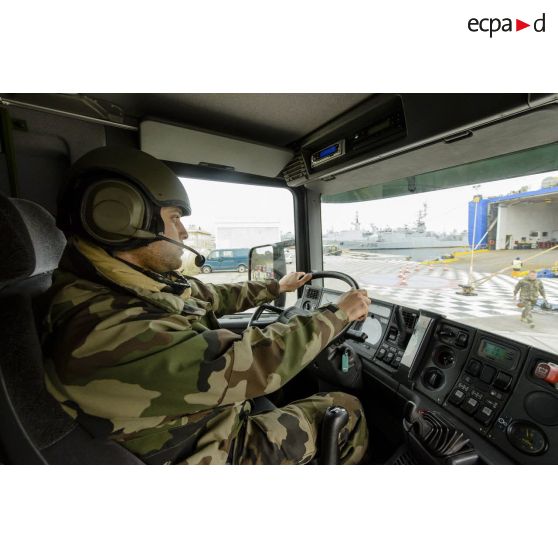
{"x":169,"y":142}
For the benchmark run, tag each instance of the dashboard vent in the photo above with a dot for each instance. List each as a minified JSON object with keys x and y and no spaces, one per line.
{"x":312,"y":294}
{"x":295,"y":172}
{"x":410,"y":318}
{"x":405,"y":459}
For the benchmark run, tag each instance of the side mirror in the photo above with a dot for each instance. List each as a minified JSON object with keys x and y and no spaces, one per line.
{"x":268,"y":262}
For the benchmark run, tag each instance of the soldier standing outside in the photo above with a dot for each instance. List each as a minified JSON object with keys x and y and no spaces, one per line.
{"x":529,"y":289}
{"x":138,"y":353}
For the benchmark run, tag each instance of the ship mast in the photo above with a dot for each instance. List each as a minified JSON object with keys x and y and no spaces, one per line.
{"x":356,"y":222}
{"x":421,"y":225}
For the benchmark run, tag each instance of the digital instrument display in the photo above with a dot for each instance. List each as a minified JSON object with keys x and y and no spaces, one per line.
{"x":373,"y":329}
{"x":497,"y":353}
{"x":415,"y":342}
{"x":494,"y":351}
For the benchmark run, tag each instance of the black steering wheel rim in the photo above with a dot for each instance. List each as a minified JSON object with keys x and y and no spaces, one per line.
{"x":285,"y":314}
{"x":335,"y":275}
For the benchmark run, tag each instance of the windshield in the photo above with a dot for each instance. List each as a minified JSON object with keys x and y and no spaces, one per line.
{"x":462,"y":252}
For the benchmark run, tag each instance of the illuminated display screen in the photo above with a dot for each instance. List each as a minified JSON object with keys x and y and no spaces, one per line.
{"x":495,"y":352}
{"x":328,"y":151}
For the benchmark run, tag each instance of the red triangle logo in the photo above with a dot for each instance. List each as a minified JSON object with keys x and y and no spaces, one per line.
{"x":519,"y":25}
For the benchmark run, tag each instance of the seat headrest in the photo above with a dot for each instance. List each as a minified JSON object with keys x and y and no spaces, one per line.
{"x":30,"y":243}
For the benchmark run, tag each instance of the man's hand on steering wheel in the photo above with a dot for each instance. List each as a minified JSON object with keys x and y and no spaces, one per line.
{"x":355,"y":304}
{"x":294,"y":280}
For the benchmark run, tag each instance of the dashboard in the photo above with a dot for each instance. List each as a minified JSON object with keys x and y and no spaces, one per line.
{"x":501,"y":394}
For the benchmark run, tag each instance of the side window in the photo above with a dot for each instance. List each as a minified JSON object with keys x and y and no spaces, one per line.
{"x":227,"y":220}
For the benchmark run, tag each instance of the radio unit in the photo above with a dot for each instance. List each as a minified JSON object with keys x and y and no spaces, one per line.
{"x":364,"y":135}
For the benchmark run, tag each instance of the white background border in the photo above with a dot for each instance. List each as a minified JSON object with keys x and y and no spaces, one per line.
{"x":291,"y":46}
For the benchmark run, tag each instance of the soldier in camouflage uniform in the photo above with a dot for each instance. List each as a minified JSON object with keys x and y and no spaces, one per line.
{"x":137,"y":351}
{"x":529,"y":289}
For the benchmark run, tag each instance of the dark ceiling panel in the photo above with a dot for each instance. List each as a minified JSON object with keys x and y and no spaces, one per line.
{"x":274,"y":118}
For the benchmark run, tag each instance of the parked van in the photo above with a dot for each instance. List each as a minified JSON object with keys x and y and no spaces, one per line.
{"x":230,"y":259}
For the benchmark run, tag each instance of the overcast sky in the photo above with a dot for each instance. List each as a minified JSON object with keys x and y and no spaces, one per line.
{"x":447,"y":209}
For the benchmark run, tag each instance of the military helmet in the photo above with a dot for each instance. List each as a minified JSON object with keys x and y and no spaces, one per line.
{"x":113,"y":196}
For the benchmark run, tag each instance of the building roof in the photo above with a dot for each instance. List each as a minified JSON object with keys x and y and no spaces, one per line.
{"x":550,"y":193}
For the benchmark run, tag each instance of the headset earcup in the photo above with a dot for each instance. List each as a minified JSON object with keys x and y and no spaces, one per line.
{"x":112,"y":211}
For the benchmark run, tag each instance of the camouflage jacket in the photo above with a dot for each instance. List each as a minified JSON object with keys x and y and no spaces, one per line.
{"x":152,"y":370}
{"x":529,"y":289}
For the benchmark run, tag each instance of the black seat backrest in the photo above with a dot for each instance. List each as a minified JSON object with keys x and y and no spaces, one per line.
{"x":33,"y":426}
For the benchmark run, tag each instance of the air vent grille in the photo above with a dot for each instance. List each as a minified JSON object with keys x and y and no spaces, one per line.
{"x":405,"y":459}
{"x":410,"y":318}
{"x":295,"y":171}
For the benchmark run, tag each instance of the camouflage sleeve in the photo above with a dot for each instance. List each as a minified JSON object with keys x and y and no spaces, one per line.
{"x":235,"y":297}
{"x":517,"y":287}
{"x":133,"y":363}
{"x":541,"y":289}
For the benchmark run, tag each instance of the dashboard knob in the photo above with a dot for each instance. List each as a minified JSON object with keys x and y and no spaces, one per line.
{"x":433,"y":378}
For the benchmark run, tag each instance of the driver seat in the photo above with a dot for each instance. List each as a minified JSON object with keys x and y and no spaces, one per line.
{"x":33,"y":427}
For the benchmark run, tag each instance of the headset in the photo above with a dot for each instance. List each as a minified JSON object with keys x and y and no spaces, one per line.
{"x":114,"y":198}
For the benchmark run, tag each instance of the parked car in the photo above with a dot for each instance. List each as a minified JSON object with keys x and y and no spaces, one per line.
{"x":229,"y":259}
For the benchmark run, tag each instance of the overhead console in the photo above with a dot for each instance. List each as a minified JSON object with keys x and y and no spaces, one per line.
{"x":388,"y":125}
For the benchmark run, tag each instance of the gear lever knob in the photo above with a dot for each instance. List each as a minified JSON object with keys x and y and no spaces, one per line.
{"x":335,"y":418}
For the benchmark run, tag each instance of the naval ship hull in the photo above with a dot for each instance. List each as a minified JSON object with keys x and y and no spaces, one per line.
{"x":397,"y":245}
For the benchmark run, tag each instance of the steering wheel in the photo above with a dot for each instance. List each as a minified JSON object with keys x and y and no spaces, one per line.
{"x":285,"y":314}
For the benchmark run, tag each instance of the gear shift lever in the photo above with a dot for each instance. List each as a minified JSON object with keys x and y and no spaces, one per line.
{"x":335,"y":418}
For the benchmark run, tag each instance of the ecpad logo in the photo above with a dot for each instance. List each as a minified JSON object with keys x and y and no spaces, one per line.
{"x":494,"y":24}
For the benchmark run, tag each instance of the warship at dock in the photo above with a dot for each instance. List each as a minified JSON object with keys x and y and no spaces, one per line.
{"x":407,"y":237}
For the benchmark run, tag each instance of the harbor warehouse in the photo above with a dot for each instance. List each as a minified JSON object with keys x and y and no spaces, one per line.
{"x":520,"y":220}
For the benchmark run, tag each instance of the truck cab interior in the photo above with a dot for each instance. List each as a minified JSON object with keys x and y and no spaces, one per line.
{"x":435,"y":390}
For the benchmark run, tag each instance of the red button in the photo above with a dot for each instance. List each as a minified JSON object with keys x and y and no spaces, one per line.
{"x":547,"y":371}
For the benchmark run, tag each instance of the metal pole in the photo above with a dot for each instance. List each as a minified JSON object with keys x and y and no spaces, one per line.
{"x":21,"y":104}
{"x":469,"y":289}
{"x":476,"y":199}
{"x":486,"y":233}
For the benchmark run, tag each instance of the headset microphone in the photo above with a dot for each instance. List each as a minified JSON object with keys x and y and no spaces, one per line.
{"x":199,"y":260}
